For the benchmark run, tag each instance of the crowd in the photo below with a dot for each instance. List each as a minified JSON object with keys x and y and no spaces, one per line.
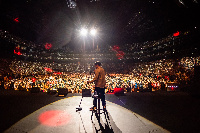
{"x":73,"y":76}
{"x":151,"y":64}
{"x":76,"y":82}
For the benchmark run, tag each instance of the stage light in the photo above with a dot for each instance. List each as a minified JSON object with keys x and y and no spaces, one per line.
{"x":84,"y":32}
{"x":33,"y":80}
{"x":93,"y":32}
{"x":17,"y":51}
{"x":50,"y":118}
{"x":176,"y":34}
{"x":16,"y":20}
{"x":48,"y":46}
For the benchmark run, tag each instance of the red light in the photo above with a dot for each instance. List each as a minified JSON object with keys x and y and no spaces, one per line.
{"x":119,"y":56}
{"x":176,"y":34}
{"x":16,"y":20}
{"x":17,"y":51}
{"x":121,"y":53}
{"x":118,"y":90}
{"x":48,"y":46}
{"x":33,"y":79}
{"x":48,"y":69}
{"x":116,"y":48}
{"x":54,"y":118}
{"x":167,"y":77}
{"x":57,"y":73}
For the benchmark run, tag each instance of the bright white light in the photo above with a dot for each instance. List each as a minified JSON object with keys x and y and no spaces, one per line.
{"x":93,"y":32}
{"x":84,"y":32}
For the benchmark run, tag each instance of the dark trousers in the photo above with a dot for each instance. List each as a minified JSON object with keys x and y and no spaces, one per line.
{"x":101,"y":94}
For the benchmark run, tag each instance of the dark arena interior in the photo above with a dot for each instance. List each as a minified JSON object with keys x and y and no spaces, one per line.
{"x":149,"y":49}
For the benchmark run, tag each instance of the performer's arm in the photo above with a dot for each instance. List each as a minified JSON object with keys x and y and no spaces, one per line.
{"x":96,"y":76}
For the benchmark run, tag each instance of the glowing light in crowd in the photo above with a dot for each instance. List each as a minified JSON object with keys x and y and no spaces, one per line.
{"x":17,"y":51}
{"x":33,"y":79}
{"x":119,"y":54}
{"x":54,"y":118}
{"x":57,"y":73}
{"x":16,"y":20}
{"x":48,"y":46}
{"x":71,"y":3}
{"x":176,"y":34}
{"x":48,"y":69}
{"x":116,"y":48}
{"x":181,"y":2}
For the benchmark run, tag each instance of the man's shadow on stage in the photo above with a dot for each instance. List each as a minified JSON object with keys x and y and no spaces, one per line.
{"x":104,"y":123}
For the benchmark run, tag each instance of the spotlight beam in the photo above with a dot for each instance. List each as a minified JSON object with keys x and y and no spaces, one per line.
{"x":84,"y":32}
{"x":93,"y":32}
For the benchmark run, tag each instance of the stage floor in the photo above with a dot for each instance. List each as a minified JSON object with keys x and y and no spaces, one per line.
{"x":61,"y":116}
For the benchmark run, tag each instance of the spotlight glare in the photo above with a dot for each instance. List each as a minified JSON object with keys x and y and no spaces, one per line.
{"x":93,"y":32}
{"x":84,"y":32}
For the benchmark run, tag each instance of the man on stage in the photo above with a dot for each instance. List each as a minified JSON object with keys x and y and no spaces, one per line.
{"x":100,"y":83}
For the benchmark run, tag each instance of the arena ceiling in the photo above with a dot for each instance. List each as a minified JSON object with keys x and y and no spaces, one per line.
{"x":117,"y":21}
